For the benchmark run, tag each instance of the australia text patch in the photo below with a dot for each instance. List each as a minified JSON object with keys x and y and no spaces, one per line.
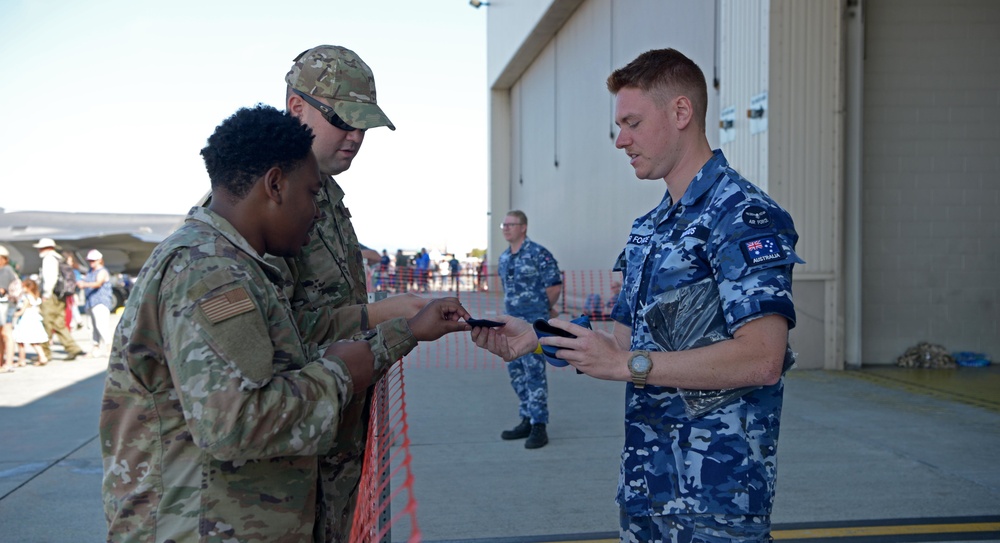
{"x":756,"y":217}
{"x":761,"y":250}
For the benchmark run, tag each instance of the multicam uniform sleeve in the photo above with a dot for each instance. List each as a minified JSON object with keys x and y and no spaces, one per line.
{"x":394,"y":338}
{"x":391,"y":341}
{"x":248,"y":386}
{"x":328,"y":324}
{"x":323,"y":325}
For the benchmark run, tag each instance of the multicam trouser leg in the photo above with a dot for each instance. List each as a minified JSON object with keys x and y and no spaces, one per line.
{"x":340,"y":470}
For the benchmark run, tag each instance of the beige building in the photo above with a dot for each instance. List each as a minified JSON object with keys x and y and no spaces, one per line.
{"x":876,"y":123}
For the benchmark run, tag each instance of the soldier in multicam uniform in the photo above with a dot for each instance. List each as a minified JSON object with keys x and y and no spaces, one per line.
{"x":215,"y":410}
{"x":531,"y":284}
{"x":332,"y":91}
{"x":701,"y":326}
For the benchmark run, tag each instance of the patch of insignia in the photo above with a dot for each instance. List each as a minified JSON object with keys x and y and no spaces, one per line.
{"x":762,"y":250}
{"x":697,"y":231}
{"x":756,"y":217}
{"x":227,"y":305}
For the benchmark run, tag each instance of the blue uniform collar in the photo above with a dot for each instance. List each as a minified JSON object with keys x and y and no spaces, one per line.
{"x":521,"y":248}
{"x":705,"y":178}
{"x":703,"y":181}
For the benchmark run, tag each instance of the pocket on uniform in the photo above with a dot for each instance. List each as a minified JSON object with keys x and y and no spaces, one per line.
{"x":687,"y":318}
{"x":235,"y":328}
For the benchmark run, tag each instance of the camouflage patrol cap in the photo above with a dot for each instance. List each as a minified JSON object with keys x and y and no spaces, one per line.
{"x":339,"y":75}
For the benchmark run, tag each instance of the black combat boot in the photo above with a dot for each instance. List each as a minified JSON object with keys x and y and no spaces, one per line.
{"x":538,"y":437}
{"x":520,"y":431}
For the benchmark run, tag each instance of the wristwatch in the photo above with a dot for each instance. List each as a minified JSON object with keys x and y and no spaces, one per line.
{"x":639,"y":365}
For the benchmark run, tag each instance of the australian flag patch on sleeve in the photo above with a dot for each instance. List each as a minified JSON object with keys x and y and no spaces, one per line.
{"x":762,"y":250}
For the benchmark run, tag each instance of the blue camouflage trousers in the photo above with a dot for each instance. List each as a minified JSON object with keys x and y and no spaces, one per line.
{"x":527,"y":376}
{"x":695,"y":529}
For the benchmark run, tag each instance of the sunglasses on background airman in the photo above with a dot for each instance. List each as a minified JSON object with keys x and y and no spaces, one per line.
{"x":328,"y":113}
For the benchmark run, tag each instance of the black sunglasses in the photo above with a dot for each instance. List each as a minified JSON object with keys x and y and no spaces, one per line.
{"x":328,"y":113}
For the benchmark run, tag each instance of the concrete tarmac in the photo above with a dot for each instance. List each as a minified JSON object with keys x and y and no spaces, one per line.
{"x":853,"y":452}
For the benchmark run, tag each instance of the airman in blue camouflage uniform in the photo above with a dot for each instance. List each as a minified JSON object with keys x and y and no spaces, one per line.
{"x":532,"y":284}
{"x":701,"y":323}
{"x":706,"y":274}
{"x":216,"y":411}
{"x":730,"y":246}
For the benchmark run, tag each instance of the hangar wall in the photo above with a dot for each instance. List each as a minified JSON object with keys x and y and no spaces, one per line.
{"x":879,"y":134}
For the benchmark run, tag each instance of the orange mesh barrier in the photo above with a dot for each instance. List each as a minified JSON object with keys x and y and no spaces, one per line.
{"x":387,"y":454}
{"x":379,"y":506}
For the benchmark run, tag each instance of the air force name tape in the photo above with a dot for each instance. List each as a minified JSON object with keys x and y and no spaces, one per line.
{"x":634,"y":239}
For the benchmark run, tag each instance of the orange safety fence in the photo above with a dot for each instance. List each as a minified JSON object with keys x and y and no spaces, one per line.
{"x":387,"y":454}
{"x":387,"y":458}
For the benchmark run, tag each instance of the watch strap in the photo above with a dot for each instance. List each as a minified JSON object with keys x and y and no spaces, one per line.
{"x":639,"y":378}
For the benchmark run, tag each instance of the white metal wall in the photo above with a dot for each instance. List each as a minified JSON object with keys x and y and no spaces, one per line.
{"x":566,"y":174}
{"x":578,"y":191}
{"x":806,"y":142}
{"x":806,"y":163}
{"x":790,"y":52}
{"x":931,"y":188}
{"x":744,"y":62}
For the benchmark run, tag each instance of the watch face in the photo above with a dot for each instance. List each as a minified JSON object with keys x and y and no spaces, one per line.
{"x":641,"y":364}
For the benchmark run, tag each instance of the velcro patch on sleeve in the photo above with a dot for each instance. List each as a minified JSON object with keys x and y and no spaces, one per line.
{"x":227,"y":305}
{"x":761,"y":250}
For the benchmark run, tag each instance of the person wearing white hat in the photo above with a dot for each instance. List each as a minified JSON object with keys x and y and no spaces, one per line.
{"x":53,"y":306}
{"x":98,"y":298}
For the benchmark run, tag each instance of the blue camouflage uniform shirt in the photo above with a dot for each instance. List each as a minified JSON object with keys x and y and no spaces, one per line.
{"x":525,"y":275}
{"x":728,"y":238}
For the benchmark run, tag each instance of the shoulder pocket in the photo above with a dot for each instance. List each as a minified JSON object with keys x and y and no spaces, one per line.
{"x":235,"y":328}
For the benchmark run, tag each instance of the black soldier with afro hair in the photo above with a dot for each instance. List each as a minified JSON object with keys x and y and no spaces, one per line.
{"x":250,"y":142}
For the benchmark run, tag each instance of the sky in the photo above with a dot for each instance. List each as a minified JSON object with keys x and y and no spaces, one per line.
{"x":106,"y":105}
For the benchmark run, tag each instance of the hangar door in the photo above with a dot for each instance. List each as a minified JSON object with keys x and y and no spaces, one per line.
{"x":931,"y":177}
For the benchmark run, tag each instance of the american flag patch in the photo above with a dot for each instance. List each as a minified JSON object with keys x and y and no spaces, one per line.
{"x":226,"y":305}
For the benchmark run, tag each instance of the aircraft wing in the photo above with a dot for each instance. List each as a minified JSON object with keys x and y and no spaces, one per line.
{"x":126,"y":240}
